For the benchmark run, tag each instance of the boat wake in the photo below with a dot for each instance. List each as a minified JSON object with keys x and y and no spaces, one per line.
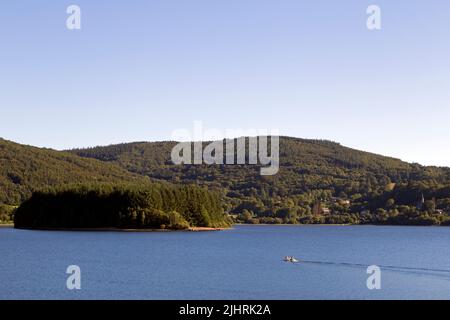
{"x":417,"y":270}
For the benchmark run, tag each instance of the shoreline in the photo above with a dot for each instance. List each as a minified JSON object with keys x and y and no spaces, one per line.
{"x":195,"y":229}
{"x":7,"y":225}
{"x":339,"y":225}
{"x":109,"y":229}
{"x":206,"y":229}
{"x":297,"y":225}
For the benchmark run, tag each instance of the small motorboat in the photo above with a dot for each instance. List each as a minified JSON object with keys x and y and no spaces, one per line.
{"x":290,"y":259}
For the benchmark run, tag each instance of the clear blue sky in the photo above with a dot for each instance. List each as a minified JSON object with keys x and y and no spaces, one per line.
{"x":137,"y":70}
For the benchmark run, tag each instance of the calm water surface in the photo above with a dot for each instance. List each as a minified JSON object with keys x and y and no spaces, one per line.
{"x":243,"y":263}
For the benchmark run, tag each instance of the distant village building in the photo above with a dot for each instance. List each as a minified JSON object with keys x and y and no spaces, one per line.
{"x":342,"y":202}
{"x":318,"y":209}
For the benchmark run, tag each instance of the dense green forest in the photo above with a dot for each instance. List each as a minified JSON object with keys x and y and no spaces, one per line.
{"x":159,"y":206}
{"x":6,"y":213}
{"x":318,"y":182}
{"x":24,"y":169}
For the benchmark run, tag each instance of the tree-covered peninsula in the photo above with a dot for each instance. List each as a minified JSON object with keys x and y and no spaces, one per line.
{"x":154,"y":206}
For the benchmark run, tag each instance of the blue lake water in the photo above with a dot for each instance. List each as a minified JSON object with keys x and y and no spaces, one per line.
{"x":242,"y":263}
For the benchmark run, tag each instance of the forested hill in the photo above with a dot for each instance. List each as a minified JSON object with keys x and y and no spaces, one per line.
{"x":318,"y":181}
{"x":24,"y":169}
{"x":315,"y":176}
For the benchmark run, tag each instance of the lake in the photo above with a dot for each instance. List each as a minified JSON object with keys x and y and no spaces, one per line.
{"x":242,"y":263}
